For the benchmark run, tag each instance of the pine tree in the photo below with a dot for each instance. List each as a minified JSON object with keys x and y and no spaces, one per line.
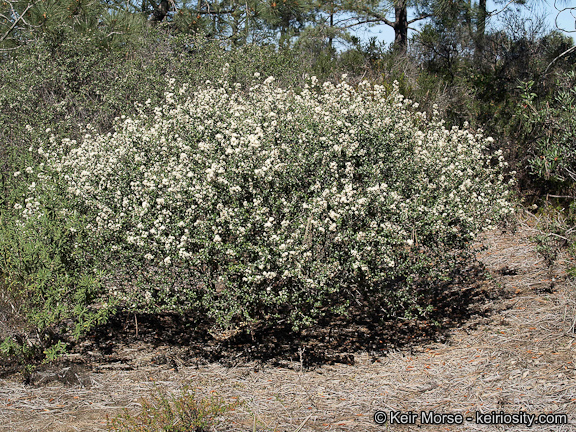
{"x":378,"y":12}
{"x":22,"y":22}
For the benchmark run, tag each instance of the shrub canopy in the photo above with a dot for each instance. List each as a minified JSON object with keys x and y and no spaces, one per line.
{"x":270,"y":202}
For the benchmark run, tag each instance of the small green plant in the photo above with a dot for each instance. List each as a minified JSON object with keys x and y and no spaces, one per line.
{"x":54,"y":352}
{"x":165,"y":413}
{"x":11,"y":348}
{"x":13,"y":351}
{"x":546,"y":247}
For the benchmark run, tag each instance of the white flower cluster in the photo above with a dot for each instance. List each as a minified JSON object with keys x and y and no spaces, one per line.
{"x":280,"y":193}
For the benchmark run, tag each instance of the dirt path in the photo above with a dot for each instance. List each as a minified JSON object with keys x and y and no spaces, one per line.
{"x":515,"y":350}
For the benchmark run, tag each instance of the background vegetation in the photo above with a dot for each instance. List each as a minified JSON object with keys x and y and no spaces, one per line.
{"x":71,"y":65}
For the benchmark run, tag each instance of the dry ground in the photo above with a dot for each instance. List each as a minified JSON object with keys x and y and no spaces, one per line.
{"x":505,"y":343}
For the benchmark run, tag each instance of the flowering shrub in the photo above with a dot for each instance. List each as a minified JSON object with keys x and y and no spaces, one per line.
{"x":271,"y":202}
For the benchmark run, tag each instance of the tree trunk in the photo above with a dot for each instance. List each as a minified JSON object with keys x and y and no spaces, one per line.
{"x":481,"y":26}
{"x":401,"y":26}
{"x":331,"y":26}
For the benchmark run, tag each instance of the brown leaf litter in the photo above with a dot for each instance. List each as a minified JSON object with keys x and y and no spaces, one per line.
{"x":506,"y":344}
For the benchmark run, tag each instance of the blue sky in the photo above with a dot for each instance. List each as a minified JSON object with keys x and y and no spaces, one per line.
{"x":566,"y":19}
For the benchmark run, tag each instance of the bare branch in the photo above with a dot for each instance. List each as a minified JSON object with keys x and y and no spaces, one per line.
{"x":563,"y":9}
{"x":368,"y":21}
{"x":560,"y":196}
{"x":498,"y":12}
{"x":214,"y":12}
{"x":568,"y":51}
{"x":421,"y":17}
{"x":15,"y":22}
{"x":378,"y":16}
{"x":558,"y":14}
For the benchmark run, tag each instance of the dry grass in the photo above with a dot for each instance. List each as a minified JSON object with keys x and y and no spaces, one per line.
{"x":517,"y":353}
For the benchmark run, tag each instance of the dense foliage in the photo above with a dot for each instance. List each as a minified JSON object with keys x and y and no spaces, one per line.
{"x":285,"y":198}
{"x":59,"y":90}
{"x":551,"y":125}
{"x":268,"y":201}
